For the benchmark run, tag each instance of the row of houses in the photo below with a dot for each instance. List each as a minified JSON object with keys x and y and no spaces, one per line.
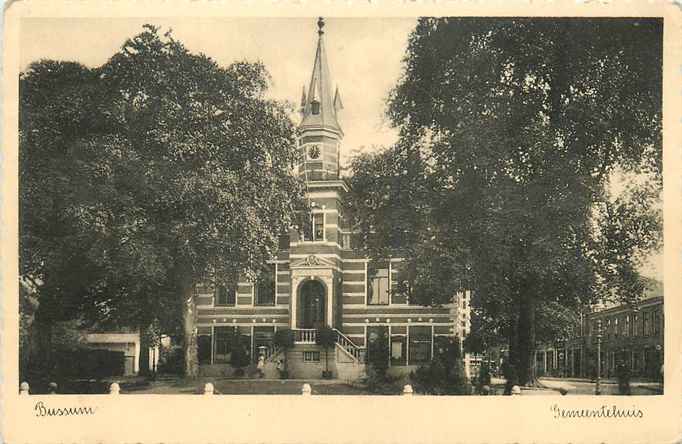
{"x":632,"y":335}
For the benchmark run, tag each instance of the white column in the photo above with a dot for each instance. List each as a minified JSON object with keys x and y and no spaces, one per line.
{"x":329,"y":282}
{"x":212,"y":341}
{"x":390,"y":282}
{"x":293,"y":297}
{"x":276,"y":282}
{"x":407,"y":345}
{"x":136,"y":362}
{"x":365,"y":282}
{"x":544,"y":361}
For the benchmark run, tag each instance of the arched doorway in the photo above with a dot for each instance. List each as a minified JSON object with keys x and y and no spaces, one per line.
{"x":312,"y":303}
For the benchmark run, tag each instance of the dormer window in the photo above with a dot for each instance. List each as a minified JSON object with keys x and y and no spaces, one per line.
{"x":315,"y":107}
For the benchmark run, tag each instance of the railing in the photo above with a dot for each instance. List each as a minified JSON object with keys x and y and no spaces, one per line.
{"x":309,"y":336}
{"x":305,"y":335}
{"x":358,"y":353}
{"x":268,"y":352}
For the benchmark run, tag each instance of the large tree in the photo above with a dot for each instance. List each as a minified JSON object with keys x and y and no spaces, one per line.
{"x":163,"y":170}
{"x":511,"y":133}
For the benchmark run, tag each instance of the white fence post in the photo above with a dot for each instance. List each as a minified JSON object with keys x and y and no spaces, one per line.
{"x":23,"y":389}
{"x":306,"y":390}
{"x":208,"y":389}
{"x":114,"y":389}
{"x":407,"y":390}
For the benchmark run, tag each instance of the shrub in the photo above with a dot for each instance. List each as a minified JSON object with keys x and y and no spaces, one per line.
{"x":483,"y":375}
{"x":88,"y":363}
{"x":378,"y":353}
{"x":171,"y":360}
{"x":239,"y":358}
{"x":444,"y":375}
{"x":382,"y":384}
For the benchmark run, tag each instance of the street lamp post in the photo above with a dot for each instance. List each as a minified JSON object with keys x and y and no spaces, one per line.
{"x":597,"y":389}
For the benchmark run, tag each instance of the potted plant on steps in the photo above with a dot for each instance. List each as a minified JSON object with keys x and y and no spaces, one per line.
{"x":326,"y":338}
{"x":284,"y":339}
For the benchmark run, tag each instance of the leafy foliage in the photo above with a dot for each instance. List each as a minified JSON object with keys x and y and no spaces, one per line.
{"x":444,"y":375}
{"x":239,"y":358}
{"x":143,"y":176}
{"x":512,"y":132}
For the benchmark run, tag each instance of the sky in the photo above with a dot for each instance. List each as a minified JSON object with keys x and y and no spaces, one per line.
{"x":364,"y":55}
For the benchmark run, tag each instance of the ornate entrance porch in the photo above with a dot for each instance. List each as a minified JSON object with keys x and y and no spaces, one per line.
{"x":312,"y":303}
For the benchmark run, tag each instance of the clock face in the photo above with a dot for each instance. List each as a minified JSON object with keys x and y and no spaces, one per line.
{"x":314,"y":151}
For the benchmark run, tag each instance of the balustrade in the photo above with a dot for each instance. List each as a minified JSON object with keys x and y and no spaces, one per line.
{"x":305,"y":336}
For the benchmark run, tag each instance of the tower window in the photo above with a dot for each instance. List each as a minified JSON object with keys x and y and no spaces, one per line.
{"x":315,"y":107}
{"x":318,"y":227}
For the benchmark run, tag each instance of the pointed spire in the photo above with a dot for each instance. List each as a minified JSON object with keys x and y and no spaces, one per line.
{"x":303,"y":98}
{"x":320,"y":107}
{"x":338,"y":104}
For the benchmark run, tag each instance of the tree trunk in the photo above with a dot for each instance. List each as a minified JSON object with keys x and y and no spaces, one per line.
{"x":526,"y":338}
{"x":144,"y":350}
{"x":189,"y":328}
{"x":511,"y":361}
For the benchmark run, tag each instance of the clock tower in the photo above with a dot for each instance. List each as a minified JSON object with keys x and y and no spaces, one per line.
{"x":320,"y":132}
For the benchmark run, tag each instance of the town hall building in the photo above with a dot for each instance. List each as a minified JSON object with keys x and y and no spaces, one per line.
{"x":318,"y":279}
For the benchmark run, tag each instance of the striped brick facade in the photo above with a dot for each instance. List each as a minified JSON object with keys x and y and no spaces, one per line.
{"x":327,"y":256}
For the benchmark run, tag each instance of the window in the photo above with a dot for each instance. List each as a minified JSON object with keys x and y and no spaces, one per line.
{"x":315,"y":107}
{"x":377,"y":287}
{"x":420,"y":344}
{"x":400,"y":285}
{"x":318,"y":227}
{"x":223,"y":344}
{"x":647,"y":323}
{"x":225,"y":295}
{"x":311,"y":356}
{"x":265,"y":287}
{"x":398,"y":348}
{"x":345,"y":240}
{"x":609,"y":330}
{"x":313,"y":229}
{"x":656,"y":323}
{"x":635,"y":325}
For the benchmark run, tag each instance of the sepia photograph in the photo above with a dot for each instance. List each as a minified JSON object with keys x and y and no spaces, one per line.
{"x":406,"y":206}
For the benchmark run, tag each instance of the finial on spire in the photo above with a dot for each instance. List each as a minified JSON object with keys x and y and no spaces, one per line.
{"x":320,"y":25}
